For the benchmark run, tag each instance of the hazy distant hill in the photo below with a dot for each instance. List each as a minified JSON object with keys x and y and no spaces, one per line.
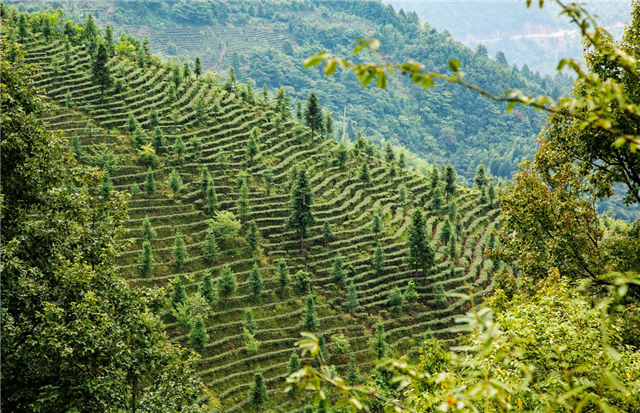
{"x":536,"y":37}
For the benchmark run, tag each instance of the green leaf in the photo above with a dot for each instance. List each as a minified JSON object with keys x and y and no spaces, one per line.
{"x":510,"y":106}
{"x":315,"y":60}
{"x":360,"y":46}
{"x":454,"y":65}
{"x":381,"y":81}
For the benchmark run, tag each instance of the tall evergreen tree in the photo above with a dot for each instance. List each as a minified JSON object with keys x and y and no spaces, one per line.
{"x":178,"y":295}
{"x":379,"y":344}
{"x":100,"y":69}
{"x":179,"y":251}
{"x":410,"y":293}
{"x":342,"y":156}
{"x":197,"y":69}
{"x":282,"y":104}
{"x":253,"y":149}
{"x":255,"y":281}
{"x":390,"y":155}
{"x":23,"y":30}
{"x":259,"y":393}
{"x":253,"y":236}
{"x":158,"y":140}
{"x":294,"y":362}
{"x":376,"y":224}
{"x":327,"y":233}
{"x":365,"y":175}
{"x":395,"y":299}
{"x":450,"y":181}
{"x":301,"y":204}
{"x":328,"y":125}
{"x":480,"y":178}
{"x":283,"y":278}
{"x":148,"y":232}
{"x":421,"y":255}
{"x":402,"y":162}
{"x":206,"y":287}
{"x":175,"y":182}
{"x":106,"y":186}
{"x":337,"y":273}
{"x":446,"y":231}
{"x":146,"y":261}
{"x":198,"y":336}
{"x":309,"y":315}
{"x":179,"y":147}
{"x":150,"y":183}
{"x":76,"y":147}
{"x":353,"y":376}
{"x":227,"y":284}
{"x":211,"y":205}
{"x":313,"y":114}
{"x":352,"y":297}
{"x":210,"y":248}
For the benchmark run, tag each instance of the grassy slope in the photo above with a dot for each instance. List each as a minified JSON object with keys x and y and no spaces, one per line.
{"x":339,"y":199}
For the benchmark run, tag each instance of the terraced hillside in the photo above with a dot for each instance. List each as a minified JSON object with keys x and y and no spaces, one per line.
{"x":216,"y":126}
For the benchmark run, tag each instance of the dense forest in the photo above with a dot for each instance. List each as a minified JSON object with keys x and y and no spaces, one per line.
{"x":266,"y":42}
{"x":176,"y":239}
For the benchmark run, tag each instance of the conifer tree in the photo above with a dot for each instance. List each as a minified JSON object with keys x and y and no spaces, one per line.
{"x":313,"y":114}
{"x":283,"y":278}
{"x":243,"y":202}
{"x":491,"y":193}
{"x":302,"y":281}
{"x":352,"y":297}
{"x":365,"y":175}
{"x":206,"y":287}
{"x":197,"y":69}
{"x":106,"y":186}
{"x":253,"y":236}
{"x":139,"y":138}
{"x":148,"y":232}
{"x":391,"y":156}
{"x":90,"y":32}
{"x":100,"y":70}
{"x":67,"y":54}
{"x":179,"y":147}
{"x":446,"y":231}
{"x":410,"y":293}
{"x":259,"y":393}
{"x":22,"y":27}
{"x":402,"y":162}
{"x":210,"y":248}
{"x":179,"y":251}
{"x":178,"y":295}
{"x":249,"y":322}
{"x":158,"y":140}
{"x":146,"y":261}
{"x":154,"y":120}
{"x":439,"y":298}
{"x":378,"y":258}
{"x":301,"y":204}
{"x":227,"y":284}
{"x":294,"y":363}
{"x":171,"y":93}
{"x":255,"y":280}
{"x":299,"y":111}
{"x":268,"y":180}
{"x":309,"y":316}
{"x":265,"y":93}
{"x":376,"y":224}
{"x":253,"y":148}
{"x":480,"y":179}
{"x":68,"y":101}
{"x":108,"y":38}
{"x":421,"y":255}
{"x":150,"y":183}
{"x":175,"y":182}
{"x":198,"y":336}
{"x":436,"y":200}
{"x":328,"y":125}
{"x":379,"y":343}
{"x":341,"y":156}
{"x":452,"y":250}
{"x":327,"y":233}
{"x":282,"y":104}
{"x":337,"y":273}
{"x":395,"y":299}
{"x":450,"y":181}
{"x":186,"y":70}
{"x":135,"y":189}
{"x":434,"y":178}
{"x":212,"y":200}
{"x":176,"y":76}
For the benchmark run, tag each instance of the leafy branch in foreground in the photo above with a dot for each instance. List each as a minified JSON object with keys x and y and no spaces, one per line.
{"x":600,"y":113}
{"x":549,"y":348}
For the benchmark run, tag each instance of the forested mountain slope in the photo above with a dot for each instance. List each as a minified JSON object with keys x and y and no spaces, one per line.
{"x":267,"y":42}
{"x":210,"y":167}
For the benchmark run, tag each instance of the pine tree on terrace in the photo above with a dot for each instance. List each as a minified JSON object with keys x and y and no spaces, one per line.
{"x":197,"y":67}
{"x":352,"y":297}
{"x":198,"y":336}
{"x":421,"y":255}
{"x":146,"y":259}
{"x":337,"y":273}
{"x":206,"y":287}
{"x":179,"y":251}
{"x":313,"y":114}
{"x":283,"y":278}
{"x":309,"y":315}
{"x":259,"y":393}
{"x":148,"y":232}
{"x":255,"y":281}
{"x":100,"y":70}
{"x":301,"y":204}
{"x":227,"y":284}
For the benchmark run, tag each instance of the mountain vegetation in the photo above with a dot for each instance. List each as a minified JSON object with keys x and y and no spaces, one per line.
{"x":265,"y":42}
{"x":232,"y":222}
